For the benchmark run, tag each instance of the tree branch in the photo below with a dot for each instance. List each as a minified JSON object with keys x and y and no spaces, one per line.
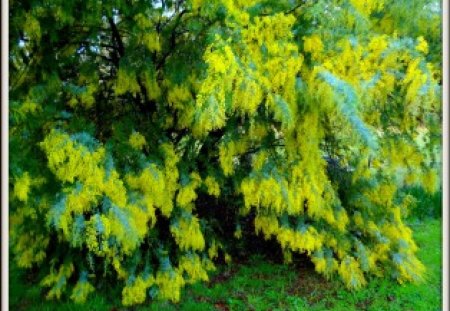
{"x":117,"y":37}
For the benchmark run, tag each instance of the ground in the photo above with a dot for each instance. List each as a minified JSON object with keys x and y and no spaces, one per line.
{"x":259,"y":284}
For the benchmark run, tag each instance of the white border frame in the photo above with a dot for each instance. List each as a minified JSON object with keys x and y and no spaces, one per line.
{"x":445,"y":154}
{"x":5,"y":155}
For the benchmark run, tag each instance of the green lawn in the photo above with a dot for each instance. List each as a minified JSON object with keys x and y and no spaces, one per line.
{"x":260,"y":285}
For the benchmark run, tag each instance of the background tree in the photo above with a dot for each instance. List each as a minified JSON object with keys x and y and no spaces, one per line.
{"x":147,"y":136}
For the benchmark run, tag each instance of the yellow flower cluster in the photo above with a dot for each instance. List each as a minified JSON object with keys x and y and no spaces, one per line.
{"x":251,"y":76}
{"x":213,"y":186}
{"x":259,"y":159}
{"x":210,"y":103}
{"x":268,"y":225}
{"x":151,"y":85}
{"x":87,"y":98}
{"x":313,"y":45}
{"x":410,"y":269}
{"x":29,"y":107}
{"x":137,"y":140}
{"x":126,"y":82}
{"x":369,"y":67}
{"x":430,"y":181}
{"x":187,"y":234}
{"x":98,"y":230}
{"x":121,"y":273}
{"x":269,"y":36}
{"x":228,"y":259}
{"x":152,"y":184}
{"x":307,"y":240}
{"x":136,"y":292}
{"x":238,"y":232}
{"x":22,"y":187}
{"x":213,"y":250}
{"x":227,"y":153}
{"x":178,"y":95}
{"x":57,"y":280}
{"x":351,"y":273}
{"x":422,"y":45}
{"x":129,"y":226}
{"x":81,"y":291}
{"x":187,"y":194}
{"x":23,"y":184}
{"x":307,"y":188}
{"x":32,"y":27}
{"x":128,"y":223}
{"x":29,"y":248}
{"x":325,"y":265}
{"x":414,"y":80}
{"x":368,"y":7}
{"x":171,"y":159}
{"x":266,"y":192}
{"x":151,"y":41}
{"x":194,"y":267}
{"x":68,"y":160}
{"x":169,"y":284}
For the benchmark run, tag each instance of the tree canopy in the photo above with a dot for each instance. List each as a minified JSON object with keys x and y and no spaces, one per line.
{"x":147,"y":136}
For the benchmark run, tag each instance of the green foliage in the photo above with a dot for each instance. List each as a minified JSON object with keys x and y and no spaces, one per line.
{"x":426,"y":205}
{"x":147,"y":136}
{"x":260,"y":284}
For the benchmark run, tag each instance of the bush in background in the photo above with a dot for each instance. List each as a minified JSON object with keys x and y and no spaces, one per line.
{"x":147,"y":136}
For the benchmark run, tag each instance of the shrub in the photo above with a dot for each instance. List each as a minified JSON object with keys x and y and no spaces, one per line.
{"x":146,"y":136}
{"x":425,"y":205}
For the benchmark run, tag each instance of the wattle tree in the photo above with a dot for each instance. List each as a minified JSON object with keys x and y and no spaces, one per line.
{"x":147,"y":137}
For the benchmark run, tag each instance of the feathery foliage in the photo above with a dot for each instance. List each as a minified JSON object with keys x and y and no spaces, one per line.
{"x":147,"y":136}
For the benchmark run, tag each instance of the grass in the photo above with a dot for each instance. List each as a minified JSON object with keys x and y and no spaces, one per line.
{"x":261,"y":285}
